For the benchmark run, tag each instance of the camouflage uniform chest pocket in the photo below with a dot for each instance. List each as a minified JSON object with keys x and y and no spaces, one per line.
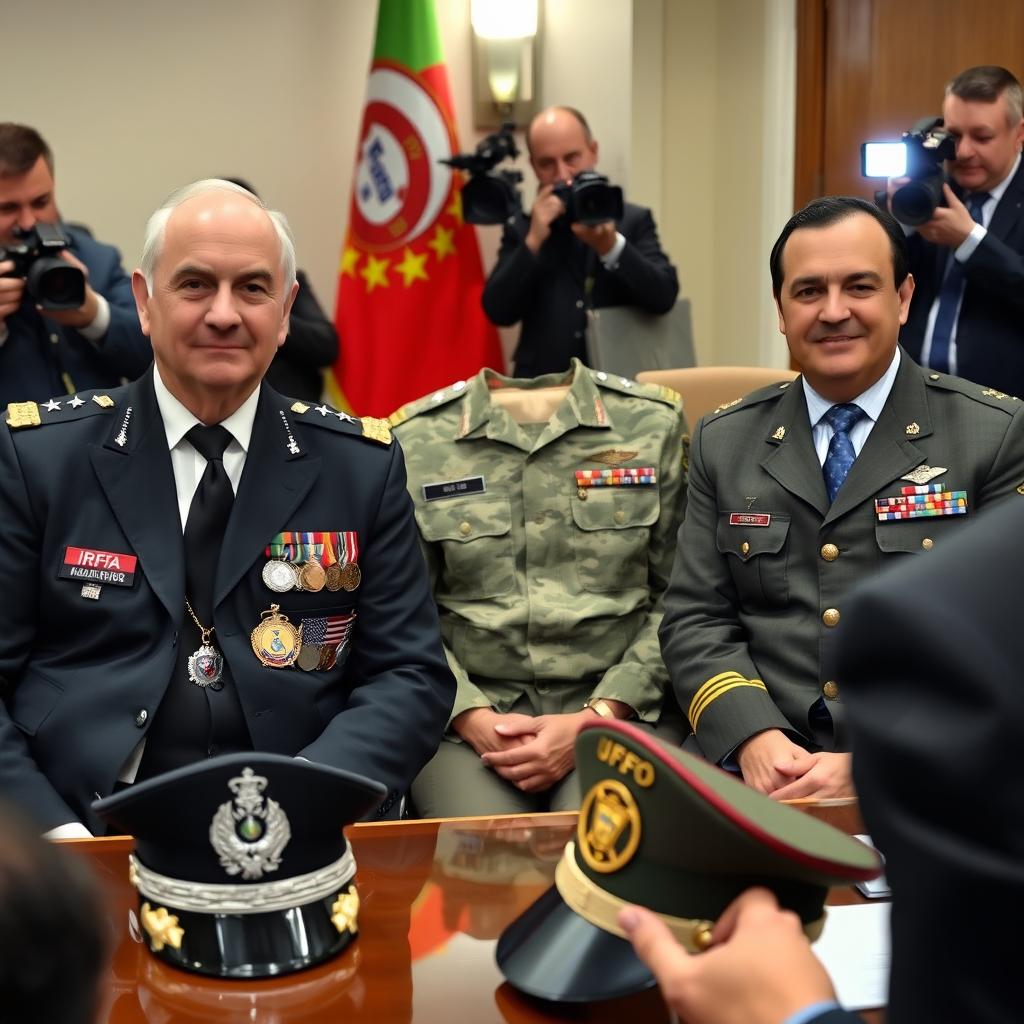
{"x":758,"y":560}
{"x":475,"y":540}
{"x":612,"y":535}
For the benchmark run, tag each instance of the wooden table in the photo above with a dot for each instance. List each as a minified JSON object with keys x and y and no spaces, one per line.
{"x":435,"y":896}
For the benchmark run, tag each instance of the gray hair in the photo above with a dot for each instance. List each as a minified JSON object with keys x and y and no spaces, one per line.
{"x":985,"y":84}
{"x":157,"y":226}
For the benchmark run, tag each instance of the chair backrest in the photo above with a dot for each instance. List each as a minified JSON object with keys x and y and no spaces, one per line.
{"x":705,"y":388}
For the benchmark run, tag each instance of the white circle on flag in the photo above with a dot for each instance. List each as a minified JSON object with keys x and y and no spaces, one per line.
{"x":400,"y":186}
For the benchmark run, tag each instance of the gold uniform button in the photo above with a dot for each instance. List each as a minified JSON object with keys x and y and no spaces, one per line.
{"x":830,"y":616}
{"x":620,"y":516}
{"x":465,"y":529}
{"x":829,"y":552}
{"x":830,"y":691}
{"x":927,"y":543}
{"x":745,"y":548}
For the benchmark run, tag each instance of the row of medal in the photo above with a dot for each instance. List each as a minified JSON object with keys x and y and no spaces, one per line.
{"x":312,"y":561}
{"x":314,"y":645}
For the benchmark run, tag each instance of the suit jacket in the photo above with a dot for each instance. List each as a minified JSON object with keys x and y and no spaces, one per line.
{"x":930,"y":658}
{"x":311,"y":346}
{"x":764,"y":565}
{"x":76,"y":674}
{"x":548,"y":292}
{"x":990,"y":326}
{"x":37,"y":350}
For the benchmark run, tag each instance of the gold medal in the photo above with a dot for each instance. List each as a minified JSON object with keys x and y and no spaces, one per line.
{"x":280,"y":576}
{"x":328,"y":657}
{"x":333,"y":581}
{"x":312,"y":576}
{"x":350,"y":576}
{"x":275,"y":641}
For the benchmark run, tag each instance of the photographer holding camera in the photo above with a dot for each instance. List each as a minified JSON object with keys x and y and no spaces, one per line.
{"x":67,"y":317}
{"x":551,"y":267}
{"x":967,"y":317}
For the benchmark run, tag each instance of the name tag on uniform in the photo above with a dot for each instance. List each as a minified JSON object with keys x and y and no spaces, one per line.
{"x":750,"y":519}
{"x":454,"y":488}
{"x":92,"y":565}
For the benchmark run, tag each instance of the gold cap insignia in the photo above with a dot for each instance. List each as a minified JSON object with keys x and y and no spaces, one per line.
{"x":300,"y":407}
{"x":913,"y":429}
{"x":376,"y":429}
{"x":780,"y":433}
{"x":23,"y":414}
{"x":923,"y":474}
{"x":612,"y":457}
{"x":161,"y":927}
{"x":103,"y":401}
{"x":609,"y":826}
{"x":345,"y":911}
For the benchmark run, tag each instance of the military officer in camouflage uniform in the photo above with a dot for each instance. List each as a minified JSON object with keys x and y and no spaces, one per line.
{"x":548,"y":510}
{"x":766,"y":557}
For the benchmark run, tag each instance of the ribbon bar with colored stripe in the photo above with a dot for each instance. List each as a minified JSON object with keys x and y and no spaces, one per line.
{"x":619,"y":477}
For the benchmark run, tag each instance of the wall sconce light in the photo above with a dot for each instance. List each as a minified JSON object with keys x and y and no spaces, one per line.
{"x":505,"y":61}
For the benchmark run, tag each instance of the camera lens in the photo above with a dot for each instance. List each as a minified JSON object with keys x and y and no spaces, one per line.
{"x":915,"y":202}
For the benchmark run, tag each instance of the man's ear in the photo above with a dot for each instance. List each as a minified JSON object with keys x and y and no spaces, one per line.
{"x":289,"y":302}
{"x":141,"y":292}
{"x":905,"y":293}
{"x":782,"y":320}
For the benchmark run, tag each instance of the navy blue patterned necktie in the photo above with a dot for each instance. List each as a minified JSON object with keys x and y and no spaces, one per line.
{"x":839,"y":459}
{"x":949,"y":297}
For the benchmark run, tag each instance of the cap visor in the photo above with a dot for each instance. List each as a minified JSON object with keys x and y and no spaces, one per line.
{"x":551,"y":952}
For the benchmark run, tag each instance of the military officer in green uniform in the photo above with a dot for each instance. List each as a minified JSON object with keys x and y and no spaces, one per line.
{"x":548,"y":511}
{"x":798,"y":491}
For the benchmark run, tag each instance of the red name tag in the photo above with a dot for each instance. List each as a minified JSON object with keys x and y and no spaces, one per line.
{"x":93,"y":566}
{"x":749,"y":518}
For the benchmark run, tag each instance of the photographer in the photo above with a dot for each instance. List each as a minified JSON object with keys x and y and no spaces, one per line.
{"x":51,"y":352}
{"x":967,"y":317}
{"x":549,"y":271}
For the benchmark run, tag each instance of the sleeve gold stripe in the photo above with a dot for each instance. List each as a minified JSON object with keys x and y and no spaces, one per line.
{"x":714,"y":681}
{"x":723,"y":687}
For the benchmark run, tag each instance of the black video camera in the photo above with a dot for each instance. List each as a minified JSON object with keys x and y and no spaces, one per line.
{"x":591,"y":199}
{"x":924,"y":149}
{"x":489,"y":197}
{"x":52,"y":282}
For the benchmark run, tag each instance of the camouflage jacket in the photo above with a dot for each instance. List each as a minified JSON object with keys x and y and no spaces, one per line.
{"x":545,"y":586}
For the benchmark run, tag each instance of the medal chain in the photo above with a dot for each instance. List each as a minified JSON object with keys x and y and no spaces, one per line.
{"x":205,"y":633}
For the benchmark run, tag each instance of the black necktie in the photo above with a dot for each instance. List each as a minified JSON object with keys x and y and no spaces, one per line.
{"x":207,"y":519}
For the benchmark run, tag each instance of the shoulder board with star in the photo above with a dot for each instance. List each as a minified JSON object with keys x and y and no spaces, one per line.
{"x":22,"y":415}
{"x":771,"y":392}
{"x":626,"y":386}
{"x":323,"y":415}
{"x":435,"y":400}
{"x":987,"y":396}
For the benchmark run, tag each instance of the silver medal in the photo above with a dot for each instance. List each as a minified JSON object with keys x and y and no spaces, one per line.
{"x":280,"y":576}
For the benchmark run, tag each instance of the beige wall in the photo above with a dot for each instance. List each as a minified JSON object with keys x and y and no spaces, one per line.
{"x":679,"y":93}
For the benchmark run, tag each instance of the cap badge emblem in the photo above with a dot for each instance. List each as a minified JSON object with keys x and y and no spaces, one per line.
{"x":609,"y":826}
{"x":250,"y":832}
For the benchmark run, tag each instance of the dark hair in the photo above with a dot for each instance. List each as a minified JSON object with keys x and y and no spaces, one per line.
{"x":573,"y":112}
{"x":985,"y":84}
{"x":20,"y":148}
{"x":53,"y":929}
{"x":821,"y":213}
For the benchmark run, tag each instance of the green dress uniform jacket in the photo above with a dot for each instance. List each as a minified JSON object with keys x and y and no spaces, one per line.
{"x":764,"y":563}
{"x":544,"y":587}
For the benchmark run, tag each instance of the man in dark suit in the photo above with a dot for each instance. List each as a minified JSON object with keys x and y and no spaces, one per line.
{"x":799,"y":491}
{"x":549,"y":272}
{"x":967,"y":316}
{"x":294,"y":616}
{"x":55,"y":352}
{"x":930,"y":655}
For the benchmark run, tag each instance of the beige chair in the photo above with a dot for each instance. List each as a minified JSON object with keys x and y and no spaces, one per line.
{"x":705,"y":388}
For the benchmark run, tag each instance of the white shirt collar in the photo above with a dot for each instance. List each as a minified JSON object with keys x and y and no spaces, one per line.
{"x":871,"y":401}
{"x":178,"y":420}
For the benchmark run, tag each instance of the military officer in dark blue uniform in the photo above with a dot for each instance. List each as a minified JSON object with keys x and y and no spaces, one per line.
{"x":196,"y":565}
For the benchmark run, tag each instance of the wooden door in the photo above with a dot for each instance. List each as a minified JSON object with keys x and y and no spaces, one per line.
{"x":868,"y":69}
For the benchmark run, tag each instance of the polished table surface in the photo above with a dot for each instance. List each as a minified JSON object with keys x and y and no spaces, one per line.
{"x":435,"y":896}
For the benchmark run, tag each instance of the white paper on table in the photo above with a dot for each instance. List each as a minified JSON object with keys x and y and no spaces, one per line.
{"x":854,"y":949}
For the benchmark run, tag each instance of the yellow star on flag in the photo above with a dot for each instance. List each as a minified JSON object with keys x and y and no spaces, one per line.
{"x":349,"y":259}
{"x":442,"y":243}
{"x":374,"y":273}
{"x":413,"y":267}
{"x":454,"y":208}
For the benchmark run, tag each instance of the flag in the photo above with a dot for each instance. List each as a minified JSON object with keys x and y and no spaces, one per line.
{"x":408,"y":311}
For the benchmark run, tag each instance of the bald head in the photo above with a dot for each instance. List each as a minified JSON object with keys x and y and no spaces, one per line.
{"x":560,"y":145}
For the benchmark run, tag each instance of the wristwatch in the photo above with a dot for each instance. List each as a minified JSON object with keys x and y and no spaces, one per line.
{"x":599,"y":707}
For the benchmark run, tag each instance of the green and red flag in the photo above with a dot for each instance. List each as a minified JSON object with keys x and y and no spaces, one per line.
{"x":408,"y":310}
